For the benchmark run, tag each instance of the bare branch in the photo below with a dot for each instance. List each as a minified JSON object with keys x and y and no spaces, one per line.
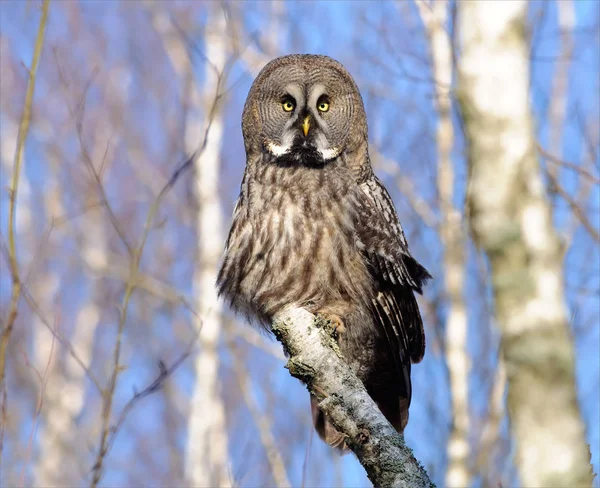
{"x":420,"y":206}
{"x":572,"y":166}
{"x":153,"y":387}
{"x":574,"y":206}
{"x":557,"y":106}
{"x":12,"y":247}
{"x":58,"y":336}
{"x":263,"y":423}
{"x":131,"y":284}
{"x":315,"y":359}
{"x":496,"y":411}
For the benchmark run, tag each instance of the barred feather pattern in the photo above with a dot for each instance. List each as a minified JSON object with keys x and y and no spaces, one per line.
{"x":319,"y":237}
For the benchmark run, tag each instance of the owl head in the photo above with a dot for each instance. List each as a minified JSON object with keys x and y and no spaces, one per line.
{"x":304,"y":108}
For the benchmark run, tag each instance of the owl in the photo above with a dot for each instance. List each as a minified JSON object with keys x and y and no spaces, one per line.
{"x":313,"y":227}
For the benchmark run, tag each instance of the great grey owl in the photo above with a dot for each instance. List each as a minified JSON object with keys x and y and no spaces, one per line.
{"x":313,"y":227}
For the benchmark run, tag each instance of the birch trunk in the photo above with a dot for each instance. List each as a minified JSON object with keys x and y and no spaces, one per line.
{"x":511,"y":220}
{"x":458,"y":473}
{"x":207,"y":445}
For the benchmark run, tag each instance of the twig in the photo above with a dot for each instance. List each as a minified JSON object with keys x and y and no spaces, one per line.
{"x":575,"y":208}
{"x":306,"y":458}
{"x":3,"y":419}
{"x":157,"y":383}
{"x":165,"y":291}
{"x":491,"y":429}
{"x":420,"y":206}
{"x":43,"y":384}
{"x":23,"y":131}
{"x":262,"y":422}
{"x":63,"y":341}
{"x":314,"y":360}
{"x":117,"y":368}
{"x":97,"y":176}
{"x":566,"y":164}
{"x":557,"y":105}
{"x":130,"y":287}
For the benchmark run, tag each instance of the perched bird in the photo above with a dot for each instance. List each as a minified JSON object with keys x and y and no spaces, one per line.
{"x":313,"y":227}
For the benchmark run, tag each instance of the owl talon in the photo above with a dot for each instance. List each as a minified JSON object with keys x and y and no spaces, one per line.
{"x":338,"y":324}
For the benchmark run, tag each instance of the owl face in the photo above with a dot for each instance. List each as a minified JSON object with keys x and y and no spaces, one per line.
{"x":305,"y":109}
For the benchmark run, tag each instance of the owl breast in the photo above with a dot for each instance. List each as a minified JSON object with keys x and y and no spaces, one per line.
{"x":293,"y":242}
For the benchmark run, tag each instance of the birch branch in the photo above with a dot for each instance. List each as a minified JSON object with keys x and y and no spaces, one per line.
{"x":314,"y":358}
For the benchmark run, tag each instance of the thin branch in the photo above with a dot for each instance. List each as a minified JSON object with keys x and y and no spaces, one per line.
{"x":153,"y":387}
{"x":262,"y":421}
{"x":557,"y":105}
{"x":43,"y":379}
{"x":491,"y":429}
{"x":315,"y":359}
{"x":130,"y":287}
{"x":254,"y":338}
{"x":170,"y":294}
{"x":63,"y":341}
{"x":22,"y":137}
{"x":566,"y":164}
{"x":573,"y":205}
{"x":420,"y":206}
{"x":98,"y":178}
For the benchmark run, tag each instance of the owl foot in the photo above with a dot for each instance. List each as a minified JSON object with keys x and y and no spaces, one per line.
{"x":337,"y":323}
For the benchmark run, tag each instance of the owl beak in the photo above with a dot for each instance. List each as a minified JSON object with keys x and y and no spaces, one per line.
{"x":306,"y":125}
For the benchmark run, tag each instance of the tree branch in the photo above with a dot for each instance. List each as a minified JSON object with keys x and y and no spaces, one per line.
{"x":315,"y":359}
{"x":14,"y":186}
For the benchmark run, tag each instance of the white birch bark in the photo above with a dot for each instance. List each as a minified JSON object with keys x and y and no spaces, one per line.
{"x":315,"y":359}
{"x":458,"y":473}
{"x":511,"y":220}
{"x":207,"y":445}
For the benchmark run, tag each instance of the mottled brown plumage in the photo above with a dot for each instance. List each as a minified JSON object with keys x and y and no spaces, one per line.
{"x":313,"y":227}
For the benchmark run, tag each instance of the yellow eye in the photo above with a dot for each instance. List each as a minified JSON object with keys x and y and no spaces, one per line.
{"x":323,"y":106}
{"x":288,"y":105}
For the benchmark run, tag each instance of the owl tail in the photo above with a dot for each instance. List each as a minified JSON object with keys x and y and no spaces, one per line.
{"x":396,"y":415}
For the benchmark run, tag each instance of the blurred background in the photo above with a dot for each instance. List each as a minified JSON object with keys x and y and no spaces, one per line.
{"x":108,"y":377}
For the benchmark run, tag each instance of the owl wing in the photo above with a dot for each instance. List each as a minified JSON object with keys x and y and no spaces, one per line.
{"x":396,"y":274}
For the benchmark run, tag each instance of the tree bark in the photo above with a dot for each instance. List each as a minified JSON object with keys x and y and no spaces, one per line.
{"x":315,"y":359}
{"x":511,"y":220}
